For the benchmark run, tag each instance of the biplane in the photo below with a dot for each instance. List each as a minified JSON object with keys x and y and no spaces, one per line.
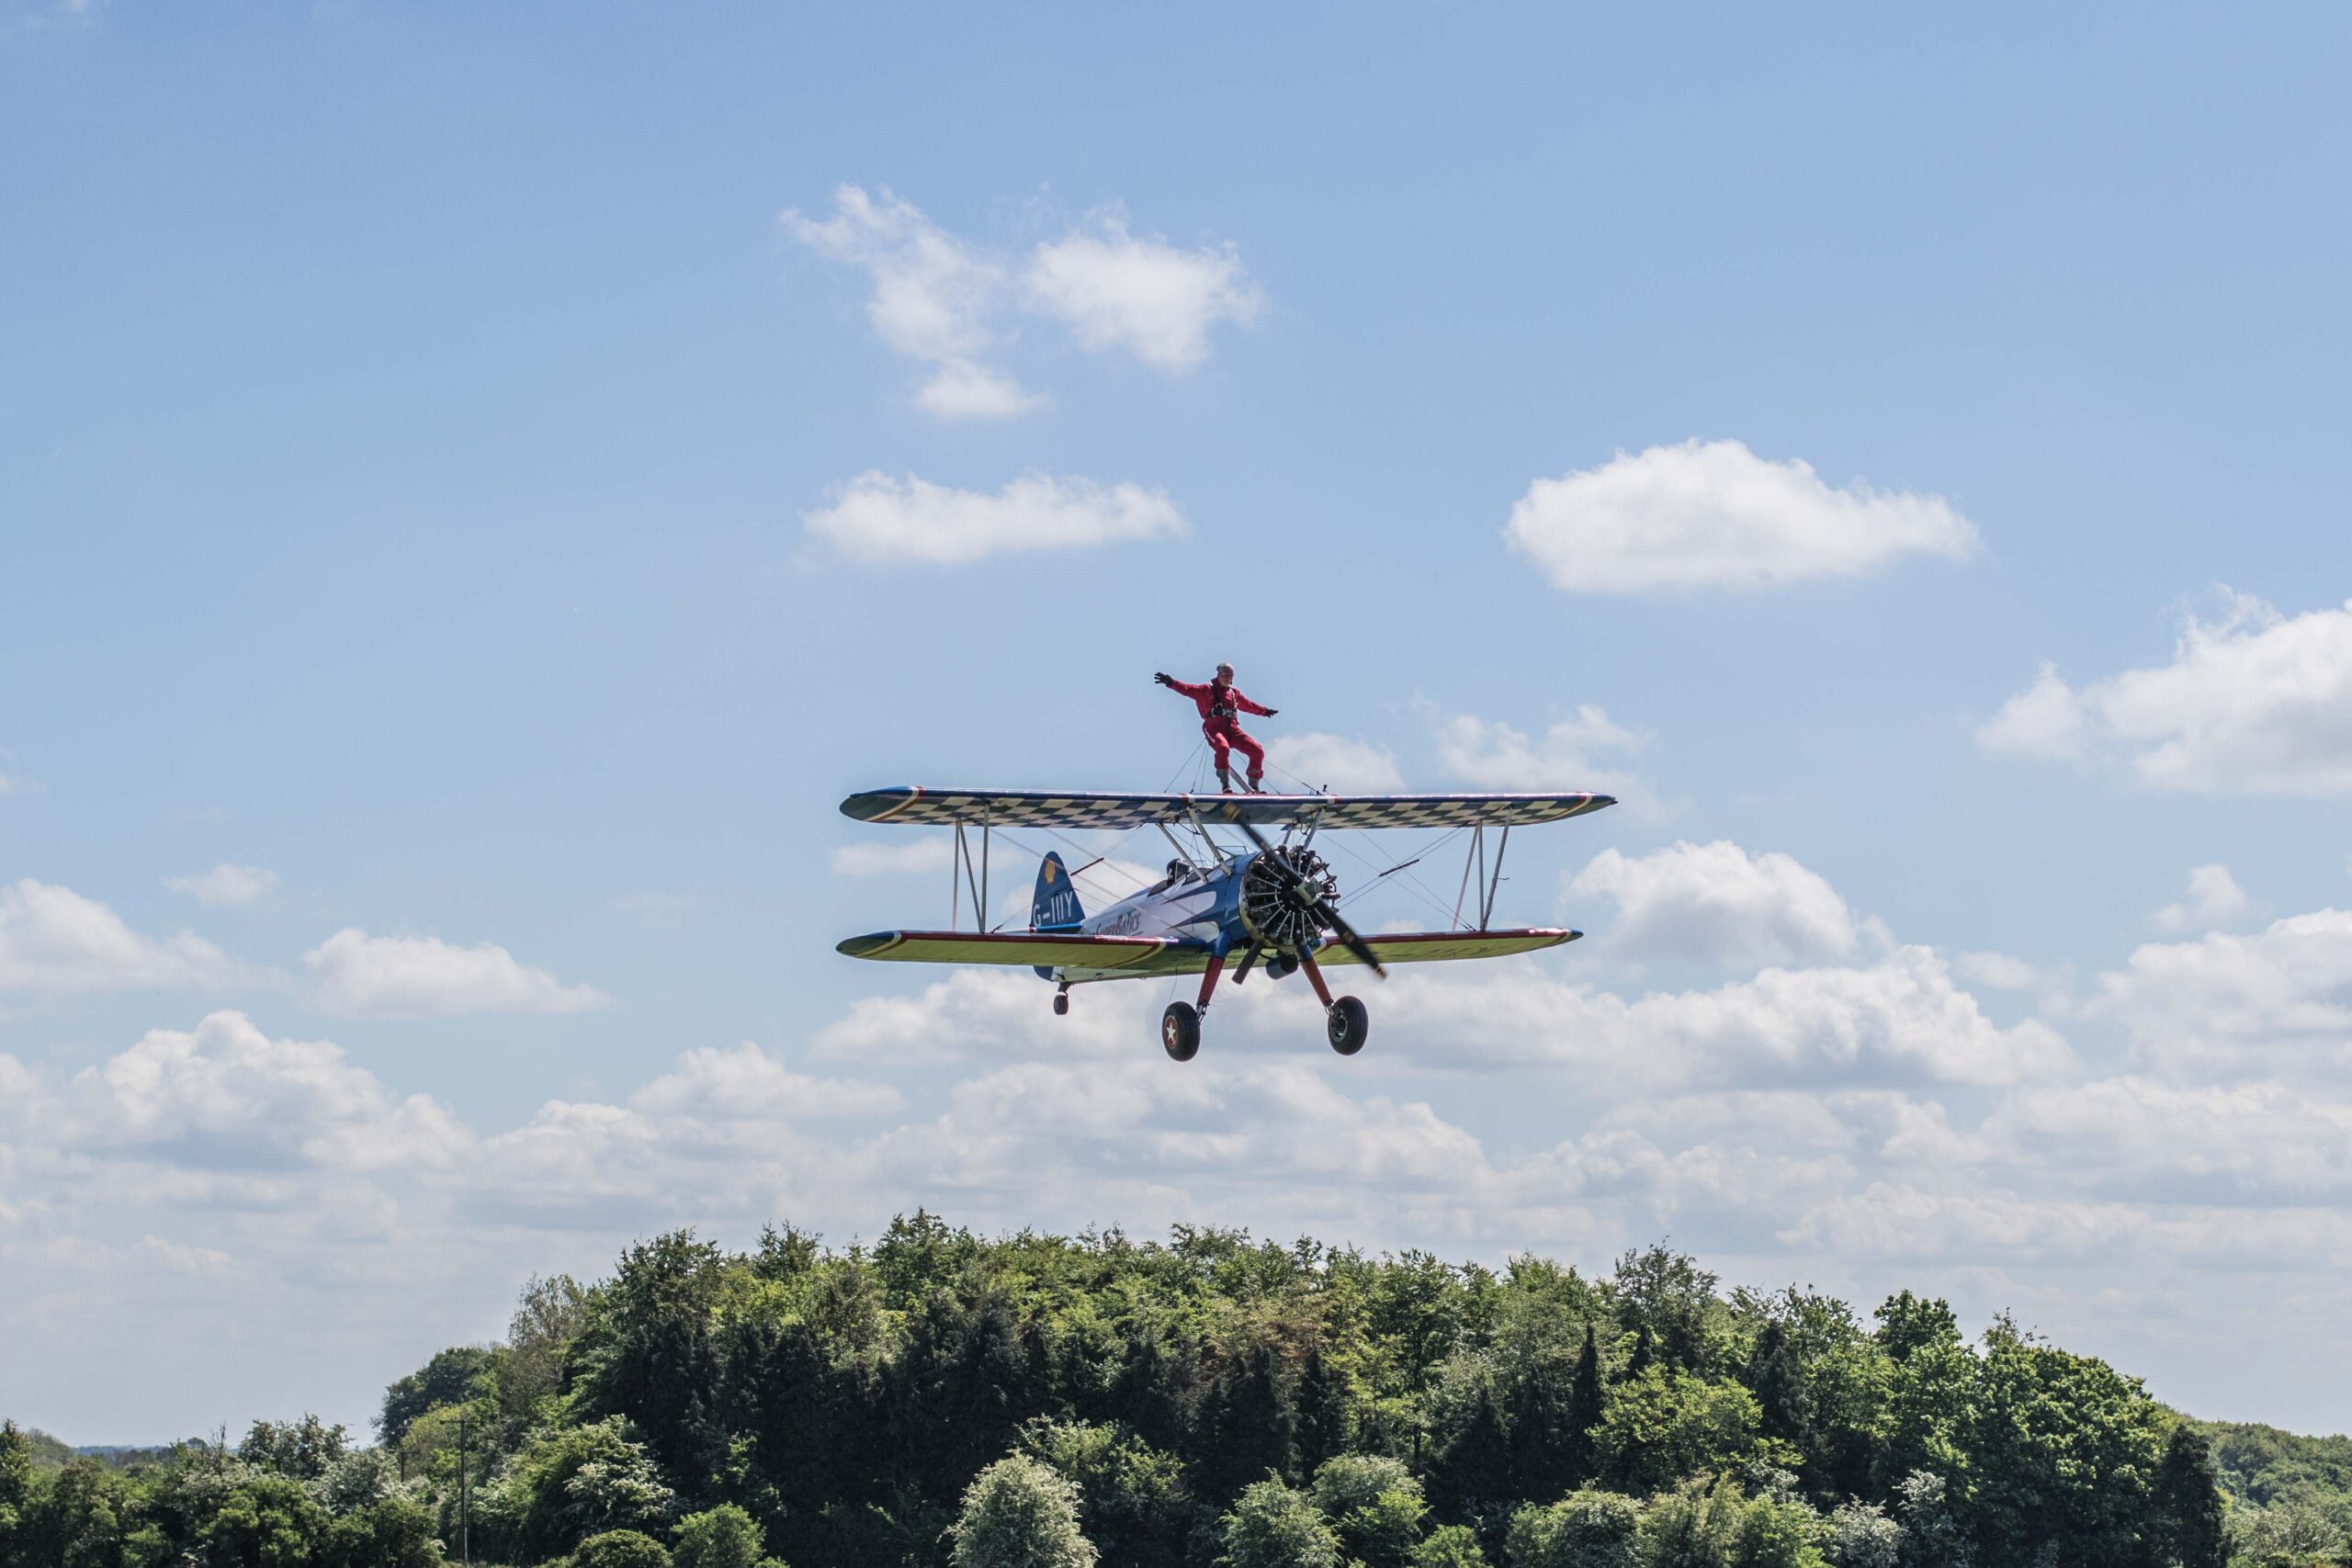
{"x":1273,"y":900}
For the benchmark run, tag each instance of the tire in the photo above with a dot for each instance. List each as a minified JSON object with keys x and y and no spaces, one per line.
{"x":1347,"y":1024}
{"x":1180,"y":1031}
{"x":1061,"y":1006}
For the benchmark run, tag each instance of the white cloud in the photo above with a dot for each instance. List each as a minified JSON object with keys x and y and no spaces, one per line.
{"x":929,"y":852}
{"x":2213,"y":898}
{"x":1337,"y":764}
{"x":960,"y":389}
{"x":226,"y":883}
{"x":2044,"y":720}
{"x":1146,"y":296}
{"x":748,"y":1084}
{"x":1717,"y":904}
{"x":53,"y":939}
{"x":2005,"y":971}
{"x":875,"y":518}
{"x":1495,"y":756}
{"x":2253,"y":703}
{"x":421,"y":976}
{"x":934,"y":297}
{"x":1898,"y":1019}
{"x":225,"y":1095}
{"x":1713,"y":514}
{"x":2277,"y":1000}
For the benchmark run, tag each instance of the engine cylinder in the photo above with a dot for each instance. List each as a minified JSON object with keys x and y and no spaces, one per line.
{"x":1278,"y":890}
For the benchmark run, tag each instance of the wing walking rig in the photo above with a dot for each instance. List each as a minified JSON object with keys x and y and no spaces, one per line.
{"x":1271,"y":901}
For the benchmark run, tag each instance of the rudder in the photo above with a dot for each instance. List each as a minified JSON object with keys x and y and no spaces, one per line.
{"x":1056,"y":906}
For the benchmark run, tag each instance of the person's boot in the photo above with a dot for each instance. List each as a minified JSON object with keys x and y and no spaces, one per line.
{"x":1224,"y":780}
{"x":1257,"y":786}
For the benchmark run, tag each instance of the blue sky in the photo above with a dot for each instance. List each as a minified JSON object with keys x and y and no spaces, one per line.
{"x":479,"y":475}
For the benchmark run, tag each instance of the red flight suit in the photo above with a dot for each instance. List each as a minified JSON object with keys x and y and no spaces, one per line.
{"x":1218,"y":704}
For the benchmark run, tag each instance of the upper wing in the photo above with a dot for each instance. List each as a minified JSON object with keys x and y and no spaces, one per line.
{"x":1422,"y":947}
{"x":1037,"y":950}
{"x":1047,"y":808}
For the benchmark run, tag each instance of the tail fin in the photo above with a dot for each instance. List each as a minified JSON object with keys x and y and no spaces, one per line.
{"x":1056,"y":906}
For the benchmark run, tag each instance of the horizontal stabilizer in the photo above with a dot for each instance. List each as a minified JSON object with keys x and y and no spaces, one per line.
{"x":1051,"y":808}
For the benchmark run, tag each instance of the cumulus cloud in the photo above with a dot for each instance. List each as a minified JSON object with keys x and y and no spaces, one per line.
{"x":361,"y":976}
{"x":224,"y":1095}
{"x":2007,"y":971}
{"x":2213,"y":898}
{"x":2275,"y":1000}
{"x":1719,"y":905}
{"x":1713,"y":514}
{"x":2253,"y":703}
{"x":226,"y":883}
{"x":748,"y":1083}
{"x":1156,"y":300}
{"x":944,"y":301}
{"x":54,"y":941}
{"x":1336,"y":762}
{"x":1900,"y":1018}
{"x":876,"y":519}
{"x":933,"y":296}
{"x":1573,"y":755}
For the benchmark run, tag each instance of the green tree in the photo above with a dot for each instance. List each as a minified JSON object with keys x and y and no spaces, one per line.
{"x":1020,"y":1513}
{"x":1274,"y":1527}
{"x":304,"y":1449}
{"x":266,"y":1521}
{"x":1448,"y":1546}
{"x":15,"y":1490}
{"x":1588,"y":1528}
{"x":567,"y":1483}
{"x":1134,"y":1504}
{"x":1373,"y":1505}
{"x":1860,"y":1535}
{"x":1666,"y":1425}
{"x":2187,"y":1525}
{"x":724,"y":1537}
{"x":1699,"y":1524}
{"x":449,"y":1377}
{"x":396,"y":1532}
{"x":621,"y":1549}
{"x":2062,"y":1451}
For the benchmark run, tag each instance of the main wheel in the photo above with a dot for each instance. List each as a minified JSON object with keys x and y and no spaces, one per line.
{"x":1061,"y":1005}
{"x":1180,"y":1031}
{"x":1347,"y":1023}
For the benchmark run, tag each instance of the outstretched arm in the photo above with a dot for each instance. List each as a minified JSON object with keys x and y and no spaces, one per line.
{"x":1246,"y":705}
{"x":1191,"y":689}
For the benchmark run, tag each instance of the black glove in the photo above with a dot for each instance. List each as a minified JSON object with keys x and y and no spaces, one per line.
{"x":1165,"y":679}
{"x":1271,"y":712}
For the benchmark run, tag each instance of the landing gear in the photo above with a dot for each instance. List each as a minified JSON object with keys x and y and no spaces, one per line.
{"x":1061,"y":1002}
{"x":1180,"y":1031}
{"x":1347,"y":1024}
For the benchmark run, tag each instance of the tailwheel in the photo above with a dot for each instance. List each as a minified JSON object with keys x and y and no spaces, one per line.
{"x":1180,"y":1031}
{"x":1347,"y":1023}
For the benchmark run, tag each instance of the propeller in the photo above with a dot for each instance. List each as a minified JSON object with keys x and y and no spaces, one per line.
{"x":1293,"y":883}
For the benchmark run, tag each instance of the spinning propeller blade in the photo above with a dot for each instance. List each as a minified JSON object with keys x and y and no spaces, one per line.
{"x":1322,"y":907}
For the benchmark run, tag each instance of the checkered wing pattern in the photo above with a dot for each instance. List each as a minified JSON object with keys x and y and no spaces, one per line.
{"x":1040,"y":809}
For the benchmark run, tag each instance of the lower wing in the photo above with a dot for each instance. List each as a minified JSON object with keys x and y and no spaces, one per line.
{"x":1426,"y":947}
{"x":1157,"y":955}
{"x":1033,"y":949}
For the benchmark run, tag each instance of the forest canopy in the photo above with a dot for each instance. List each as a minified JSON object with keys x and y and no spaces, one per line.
{"x":1212,"y":1401}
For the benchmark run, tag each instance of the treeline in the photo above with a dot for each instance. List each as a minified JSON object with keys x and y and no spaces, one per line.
{"x":1210,"y":1402}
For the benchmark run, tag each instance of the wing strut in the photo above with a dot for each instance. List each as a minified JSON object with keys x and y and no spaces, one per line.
{"x":1489,"y":887}
{"x":965,"y":874}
